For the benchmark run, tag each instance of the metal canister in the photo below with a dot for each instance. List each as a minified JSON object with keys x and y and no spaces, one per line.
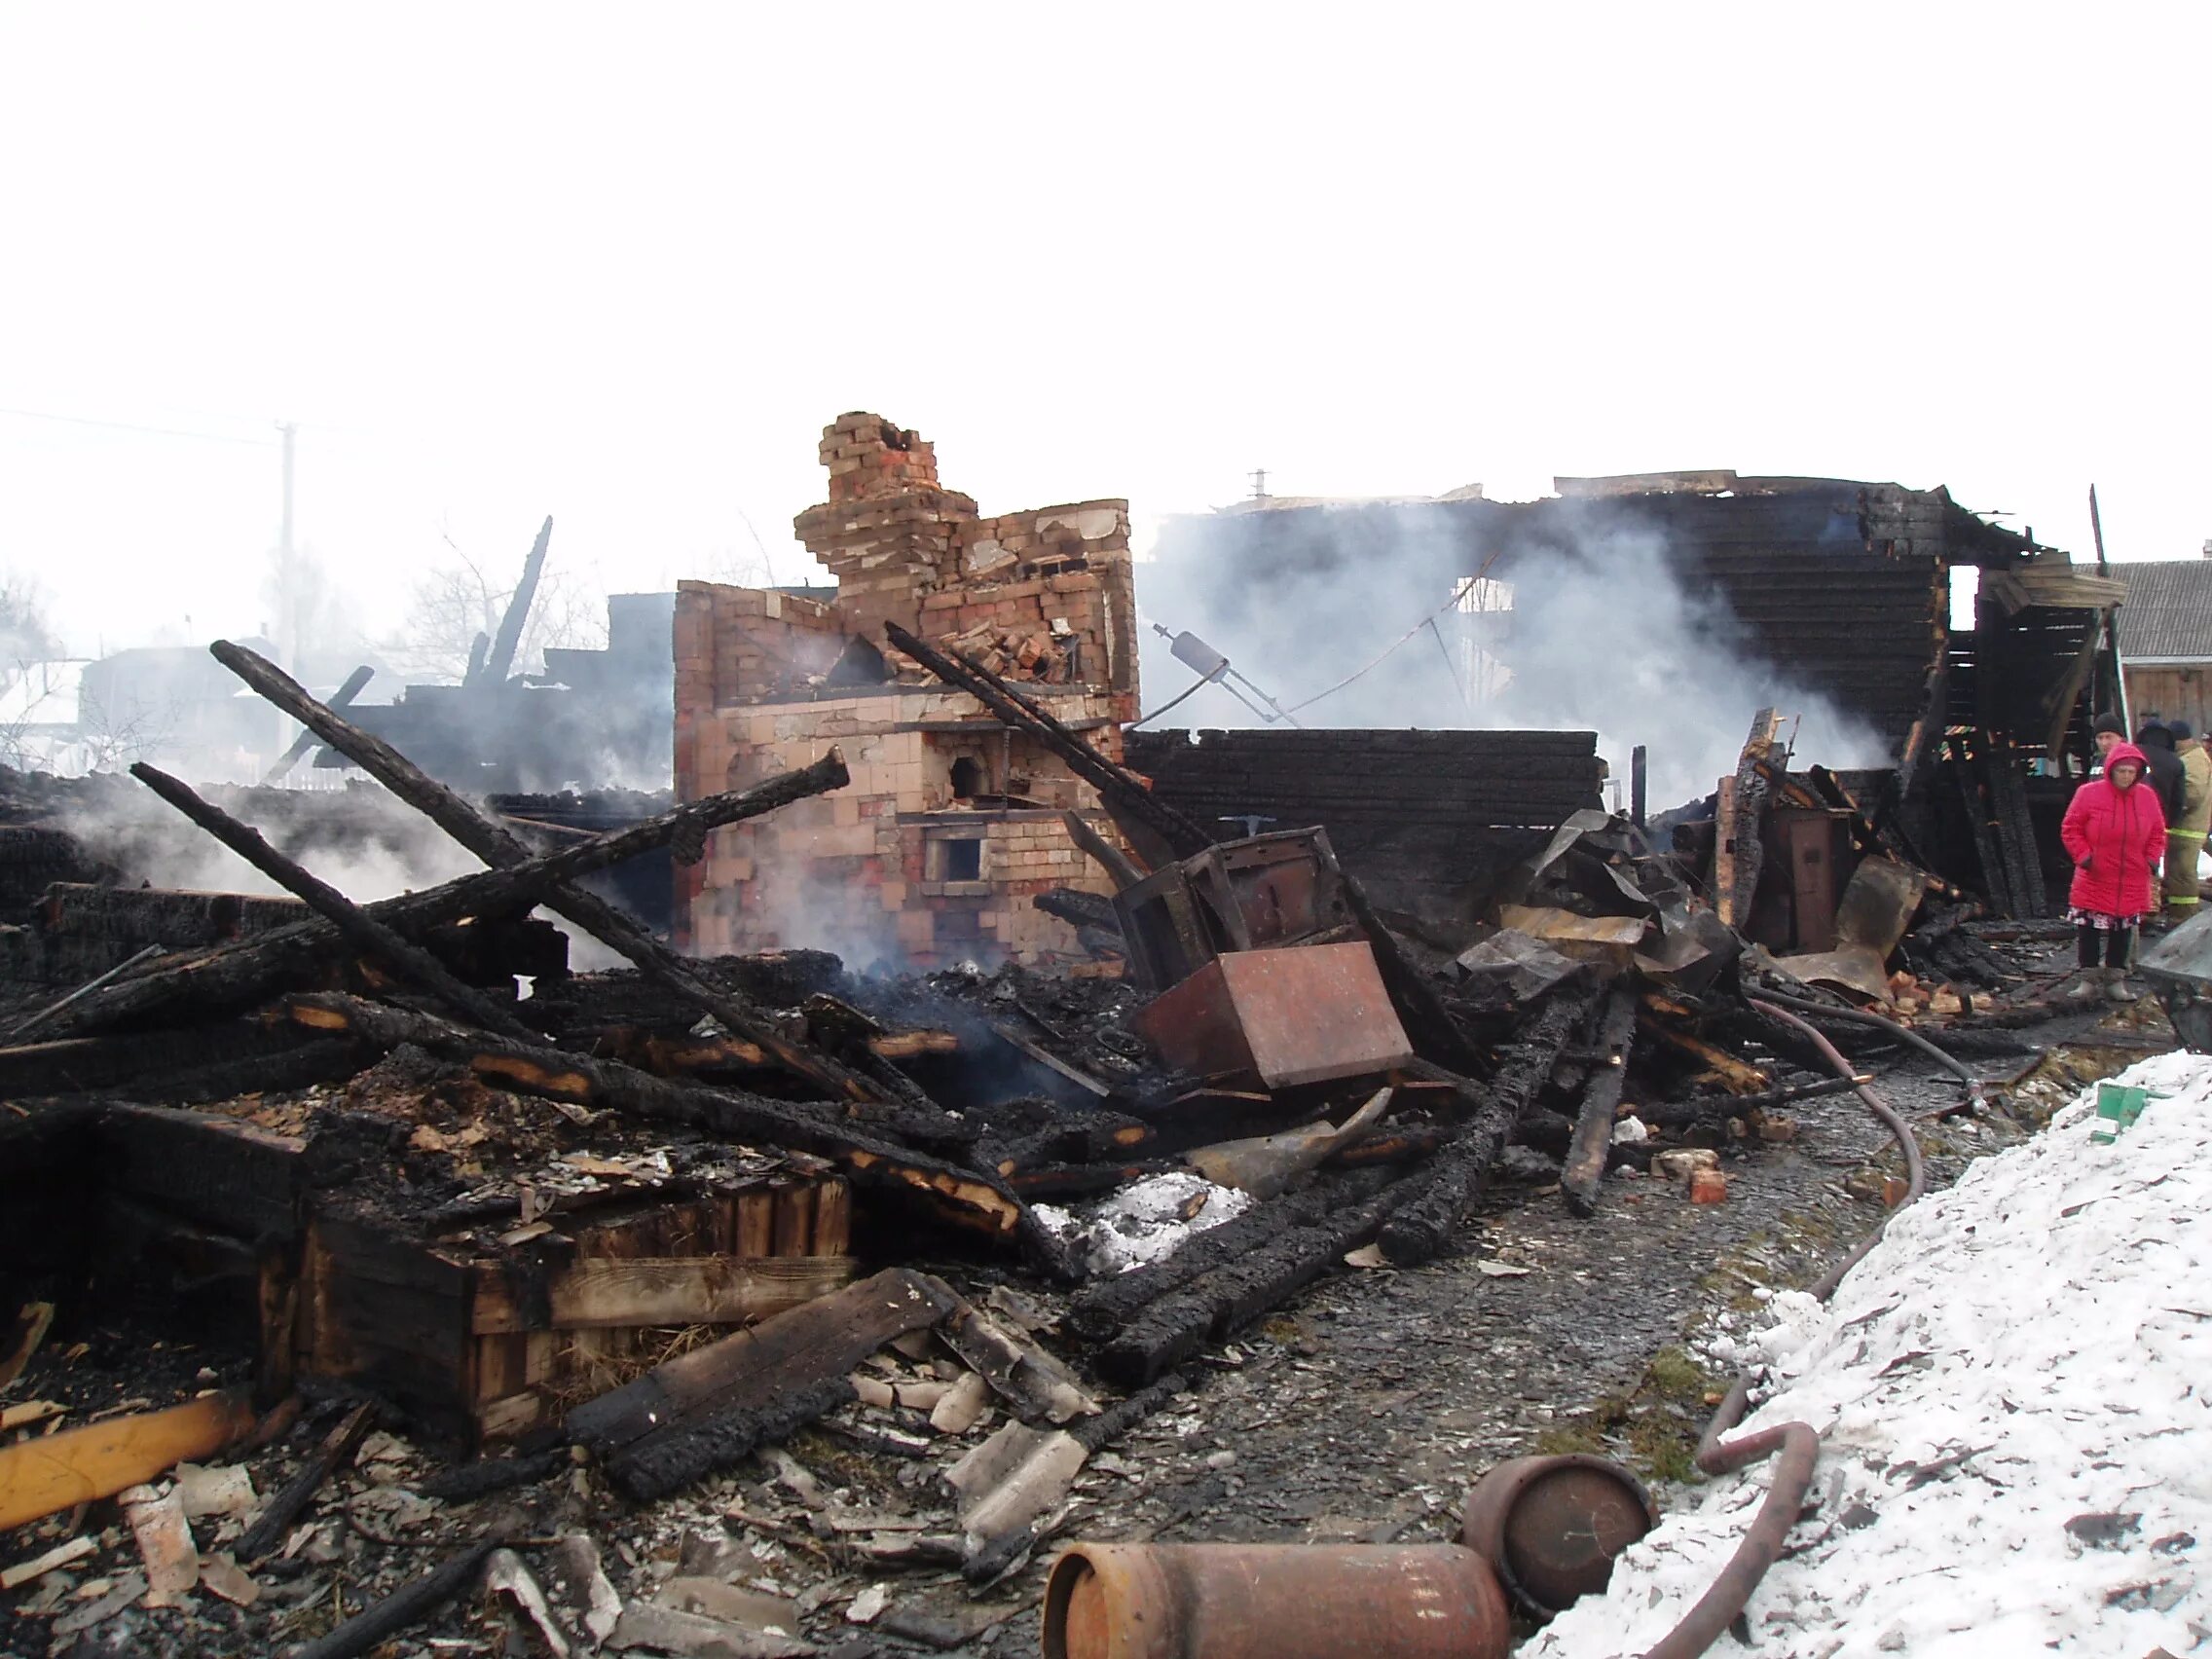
{"x":1274,"y":1601}
{"x":1550,"y":1527}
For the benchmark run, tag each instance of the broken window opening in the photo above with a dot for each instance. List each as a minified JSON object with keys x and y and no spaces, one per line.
{"x":953,"y":858}
{"x":968,"y":780}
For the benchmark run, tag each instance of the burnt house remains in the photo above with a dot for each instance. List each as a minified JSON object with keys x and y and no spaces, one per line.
{"x":1006,"y":1067}
{"x":1843,"y":589}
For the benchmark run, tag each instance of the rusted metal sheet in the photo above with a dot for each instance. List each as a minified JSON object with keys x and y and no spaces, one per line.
{"x":1304,"y":1015}
{"x":1274,"y":1601}
{"x":1551,"y":1527}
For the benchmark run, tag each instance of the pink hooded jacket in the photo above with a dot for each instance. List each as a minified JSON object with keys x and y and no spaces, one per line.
{"x":2114,"y":836}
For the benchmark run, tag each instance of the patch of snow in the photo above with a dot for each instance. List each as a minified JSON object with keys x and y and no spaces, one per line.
{"x":1147,"y":1220}
{"x":2014,"y":1397}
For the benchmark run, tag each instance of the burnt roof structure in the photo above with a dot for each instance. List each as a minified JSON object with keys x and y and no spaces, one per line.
{"x":1846,"y":583}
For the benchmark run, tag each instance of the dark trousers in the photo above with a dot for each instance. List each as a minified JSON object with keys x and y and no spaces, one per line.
{"x":2116,"y":942}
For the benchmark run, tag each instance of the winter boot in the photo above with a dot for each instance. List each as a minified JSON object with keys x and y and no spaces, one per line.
{"x":2091,"y":989}
{"x":2117,"y":988}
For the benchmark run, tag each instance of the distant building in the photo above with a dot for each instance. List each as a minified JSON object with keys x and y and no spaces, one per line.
{"x":2165,"y":638}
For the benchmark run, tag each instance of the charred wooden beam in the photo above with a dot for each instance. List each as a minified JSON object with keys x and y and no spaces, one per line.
{"x":706,"y":1409}
{"x":354,"y":924}
{"x":404,"y":1608}
{"x":215,"y":1061}
{"x":249,"y":971}
{"x":1098,"y":1310}
{"x":1738,"y":856}
{"x":961,"y":1196}
{"x":273,"y":1523}
{"x":342,"y":698}
{"x":1425,"y":1223}
{"x":1084,"y":910}
{"x":1220,"y":1302}
{"x":1436,"y":1036}
{"x":1108,"y":857}
{"x":499,"y":847}
{"x":499,"y":660}
{"x":1121,"y":788}
{"x":1601,"y":1098}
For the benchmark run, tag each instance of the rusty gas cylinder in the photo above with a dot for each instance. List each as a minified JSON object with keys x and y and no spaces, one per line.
{"x":1551,"y":1527}
{"x":1274,"y":1601}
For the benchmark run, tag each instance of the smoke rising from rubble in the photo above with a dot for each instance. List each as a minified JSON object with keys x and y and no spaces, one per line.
{"x":808,"y":912}
{"x":1602,"y":634}
{"x":369,"y":848}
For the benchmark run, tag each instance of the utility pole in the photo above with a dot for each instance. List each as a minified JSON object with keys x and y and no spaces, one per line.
{"x":284,"y":532}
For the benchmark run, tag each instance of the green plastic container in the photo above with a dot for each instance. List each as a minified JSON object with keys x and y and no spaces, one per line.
{"x":2118,"y":1107}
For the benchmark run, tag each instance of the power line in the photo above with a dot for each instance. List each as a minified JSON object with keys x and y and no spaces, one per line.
{"x":132,"y":426}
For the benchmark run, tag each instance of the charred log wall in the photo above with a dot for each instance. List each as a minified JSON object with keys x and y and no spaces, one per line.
{"x":1408,"y":813}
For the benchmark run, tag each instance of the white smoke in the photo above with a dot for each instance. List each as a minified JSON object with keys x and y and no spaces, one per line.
{"x":1592,"y":629}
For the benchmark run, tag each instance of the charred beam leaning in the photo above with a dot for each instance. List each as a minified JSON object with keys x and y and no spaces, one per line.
{"x":1111,"y":859}
{"x":250,"y":969}
{"x":500,"y":658}
{"x":356,"y":684}
{"x":499,"y":847}
{"x":1122,"y":788}
{"x":360,"y":929}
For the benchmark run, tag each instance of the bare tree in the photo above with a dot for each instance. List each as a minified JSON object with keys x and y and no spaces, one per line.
{"x":26,"y":635}
{"x":29,"y":685}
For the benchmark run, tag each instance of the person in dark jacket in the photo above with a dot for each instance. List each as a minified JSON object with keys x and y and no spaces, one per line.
{"x":2115,"y":831}
{"x":2167,"y":775}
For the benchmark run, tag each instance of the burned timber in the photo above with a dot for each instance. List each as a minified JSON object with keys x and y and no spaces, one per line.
{"x":375,"y":1275}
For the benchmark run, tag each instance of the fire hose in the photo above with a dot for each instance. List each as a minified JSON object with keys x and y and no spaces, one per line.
{"x":1798,"y":1443}
{"x":1862,"y":1016}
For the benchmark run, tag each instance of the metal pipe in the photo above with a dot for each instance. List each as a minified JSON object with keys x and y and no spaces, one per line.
{"x":1274,"y":1601}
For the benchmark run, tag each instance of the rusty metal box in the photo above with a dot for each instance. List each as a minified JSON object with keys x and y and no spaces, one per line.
{"x":1303,"y":1014}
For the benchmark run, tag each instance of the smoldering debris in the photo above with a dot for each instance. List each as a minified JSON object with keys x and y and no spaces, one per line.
{"x":746,"y":1267}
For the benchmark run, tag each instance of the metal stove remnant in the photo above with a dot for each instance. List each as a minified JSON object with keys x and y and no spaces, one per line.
{"x":1266,"y":891}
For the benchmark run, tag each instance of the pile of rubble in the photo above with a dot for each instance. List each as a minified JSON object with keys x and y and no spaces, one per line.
{"x":623,"y":1238}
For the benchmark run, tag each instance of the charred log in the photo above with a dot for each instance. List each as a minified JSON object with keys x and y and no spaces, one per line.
{"x":1425,"y":1221}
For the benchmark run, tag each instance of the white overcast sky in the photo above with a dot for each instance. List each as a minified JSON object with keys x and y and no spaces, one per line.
{"x":620,"y":264}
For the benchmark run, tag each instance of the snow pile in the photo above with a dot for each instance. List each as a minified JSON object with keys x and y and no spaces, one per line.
{"x":2015,"y":1398}
{"x":1145,"y":1222}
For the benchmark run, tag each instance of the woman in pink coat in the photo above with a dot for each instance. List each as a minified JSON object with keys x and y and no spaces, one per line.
{"x":2116,"y":831}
